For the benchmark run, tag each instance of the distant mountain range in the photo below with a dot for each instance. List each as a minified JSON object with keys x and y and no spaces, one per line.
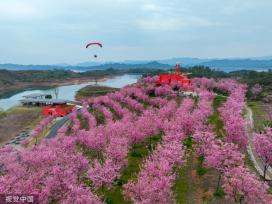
{"x":231,"y":64}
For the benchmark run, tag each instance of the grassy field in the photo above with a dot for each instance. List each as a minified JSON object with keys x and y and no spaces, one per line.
{"x":92,"y":91}
{"x":195,"y":186}
{"x":17,"y":119}
{"x":196,"y":183}
{"x":259,"y":114}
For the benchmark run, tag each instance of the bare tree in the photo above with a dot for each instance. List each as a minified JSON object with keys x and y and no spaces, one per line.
{"x":96,"y":80}
{"x":56,"y":92}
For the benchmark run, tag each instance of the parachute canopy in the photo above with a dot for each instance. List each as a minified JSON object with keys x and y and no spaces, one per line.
{"x":93,"y":44}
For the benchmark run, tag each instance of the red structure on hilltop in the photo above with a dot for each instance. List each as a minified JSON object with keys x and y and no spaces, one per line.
{"x":175,"y":78}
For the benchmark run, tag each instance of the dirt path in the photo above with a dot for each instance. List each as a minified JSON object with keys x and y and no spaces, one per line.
{"x":250,"y":148}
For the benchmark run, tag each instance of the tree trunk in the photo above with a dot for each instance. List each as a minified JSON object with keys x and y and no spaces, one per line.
{"x":150,"y":148}
{"x":218,"y":182}
{"x":238,"y":199}
{"x":241,"y":200}
{"x":265,"y":169}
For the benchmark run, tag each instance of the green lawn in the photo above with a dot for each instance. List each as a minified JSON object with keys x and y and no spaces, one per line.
{"x":194,"y":186}
{"x":184,"y":188}
{"x":258,"y":114}
{"x":195,"y":183}
{"x":93,"y":91}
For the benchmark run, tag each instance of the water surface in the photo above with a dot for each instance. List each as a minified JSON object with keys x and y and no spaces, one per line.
{"x":68,"y":92}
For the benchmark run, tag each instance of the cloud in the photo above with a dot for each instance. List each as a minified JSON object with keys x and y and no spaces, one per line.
{"x":161,"y":23}
{"x":54,"y":31}
{"x":17,"y":9}
{"x":169,"y":17}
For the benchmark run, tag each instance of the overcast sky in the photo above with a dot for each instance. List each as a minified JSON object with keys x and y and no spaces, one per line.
{"x":56,"y":31}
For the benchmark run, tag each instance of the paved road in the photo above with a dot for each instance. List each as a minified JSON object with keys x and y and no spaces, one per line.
{"x":250,"y":148}
{"x":54,"y":130}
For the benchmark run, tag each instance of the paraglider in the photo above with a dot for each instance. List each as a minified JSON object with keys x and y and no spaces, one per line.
{"x":94,"y":44}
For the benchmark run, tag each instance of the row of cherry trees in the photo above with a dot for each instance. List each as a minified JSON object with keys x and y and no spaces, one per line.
{"x":40,"y":128}
{"x":88,"y":116}
{"x":118,"y":136}
{"x":43,"y":124}
{"x":239,"y":184}
{"x":56,"y":168}
{"x":232,"y":110}
{"x":231,"y":113}
{"x":52,"y":170}
{"x":157,"y":175}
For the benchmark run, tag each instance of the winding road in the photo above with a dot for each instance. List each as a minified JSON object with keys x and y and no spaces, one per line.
{"x":61,"y":122}
{"x":54,"y":130}
{"x":258,"y":164}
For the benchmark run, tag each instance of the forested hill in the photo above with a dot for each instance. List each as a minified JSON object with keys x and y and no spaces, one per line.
{"x":121,"y":66}
{"x":248,"y":76}
{"x":11,"y":76}
{"x":12,"y":81}
{"x":227,"y":65}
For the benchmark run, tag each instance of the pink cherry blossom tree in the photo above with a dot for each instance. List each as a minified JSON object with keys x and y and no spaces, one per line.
{"x":256,"y":89}
{"x":56,"y":169}
{"x":222,"y":157}
{"x":43,"y":124}
{"x":87,"y":115}
{"x":263,"y":145}
{"x":53,"y":170}
{"x":231,"y":113}
{"x":241,"y":186}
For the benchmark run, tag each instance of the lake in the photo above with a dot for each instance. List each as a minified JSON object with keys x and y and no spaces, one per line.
{"x":68,"y":92}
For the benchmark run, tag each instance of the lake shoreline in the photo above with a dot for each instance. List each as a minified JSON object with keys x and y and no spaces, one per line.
{"x":93,"y":91}
{"x":15,"y":118}
{"x":9,"y":91}
{"x":68,"y":89}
